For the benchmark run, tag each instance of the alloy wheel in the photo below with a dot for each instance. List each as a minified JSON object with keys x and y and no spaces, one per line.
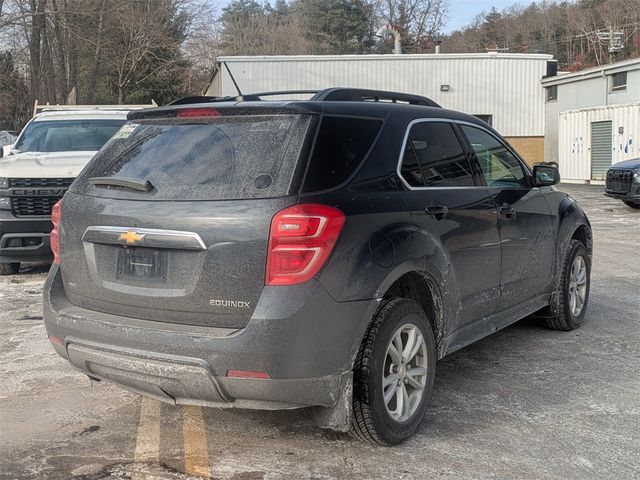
{"x":404,"y":375}
{"x":577,"y":285}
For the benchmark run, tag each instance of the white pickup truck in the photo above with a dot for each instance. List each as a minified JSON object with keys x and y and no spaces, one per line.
{"x":36,"y":171}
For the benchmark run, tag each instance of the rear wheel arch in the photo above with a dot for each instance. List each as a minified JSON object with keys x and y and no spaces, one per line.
{"x":422,"y":288}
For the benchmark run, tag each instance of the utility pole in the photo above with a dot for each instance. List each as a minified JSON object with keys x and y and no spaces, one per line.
{"x":614,"y":41}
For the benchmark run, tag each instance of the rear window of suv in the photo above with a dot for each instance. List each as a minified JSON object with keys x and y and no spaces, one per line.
{"x":218,"y":158}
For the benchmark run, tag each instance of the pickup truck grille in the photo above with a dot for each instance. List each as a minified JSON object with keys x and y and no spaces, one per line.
{"x":619,"y":181}
{"x":42,"y":200}
{"x":40,"y":182}
{"x":37,"y":206}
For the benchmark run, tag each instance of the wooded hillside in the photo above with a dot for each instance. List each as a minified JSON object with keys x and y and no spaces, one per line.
{"x":579,"y":34}
{"x":133,"y":51}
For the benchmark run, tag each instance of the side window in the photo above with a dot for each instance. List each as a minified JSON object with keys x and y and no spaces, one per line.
{"x":433,"y":157}
{"x":340,"y":148}
{"x":498,"y":164}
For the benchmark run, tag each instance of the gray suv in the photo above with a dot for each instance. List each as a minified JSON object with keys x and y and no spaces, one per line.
{"x":325,"y":253}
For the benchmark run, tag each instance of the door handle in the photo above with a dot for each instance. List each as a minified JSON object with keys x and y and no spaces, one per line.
{"x":507,"y":210}
{"x":437,"y":211}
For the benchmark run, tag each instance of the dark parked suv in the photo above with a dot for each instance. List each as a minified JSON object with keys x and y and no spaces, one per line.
{"x":623,"y":182}
{"x":323,"y":253}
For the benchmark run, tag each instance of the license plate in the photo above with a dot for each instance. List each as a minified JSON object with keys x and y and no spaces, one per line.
{"x":618,"y":186}
{"x":144,"y":264}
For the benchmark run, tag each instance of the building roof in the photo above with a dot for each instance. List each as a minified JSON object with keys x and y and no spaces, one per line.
{"x":609,"y":69}
{"x":391,"y":57}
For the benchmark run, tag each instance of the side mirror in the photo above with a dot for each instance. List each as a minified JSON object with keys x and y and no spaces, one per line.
{"x":5,"y":150}
{"x":545,"y":175}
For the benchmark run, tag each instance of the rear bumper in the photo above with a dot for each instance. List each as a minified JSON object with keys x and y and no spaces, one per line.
{"x":308,"y":354}
{"x":633,"y":195}
{"x":24,"y":239}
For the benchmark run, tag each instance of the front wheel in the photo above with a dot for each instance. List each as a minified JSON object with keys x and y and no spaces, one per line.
{"x":9,"y":268}
{"x":631,"y":204}
{"x":393,"y":374}
{"x":574,"y":289}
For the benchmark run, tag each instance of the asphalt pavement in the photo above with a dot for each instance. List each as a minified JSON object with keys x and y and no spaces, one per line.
{"x":525,"y":403}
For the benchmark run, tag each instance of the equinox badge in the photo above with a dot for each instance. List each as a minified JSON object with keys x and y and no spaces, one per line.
{"x":230,"y":303}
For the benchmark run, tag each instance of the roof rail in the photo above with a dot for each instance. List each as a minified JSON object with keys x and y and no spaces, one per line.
{"x":365,"y":95}
{"x":328,"y":95}
{"x":250,"y":97}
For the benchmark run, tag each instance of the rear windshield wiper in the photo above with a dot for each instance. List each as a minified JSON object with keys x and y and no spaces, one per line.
{"x":131,"y":183}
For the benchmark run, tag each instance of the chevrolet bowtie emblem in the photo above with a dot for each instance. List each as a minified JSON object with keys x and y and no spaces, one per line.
{"x":131,"y":237}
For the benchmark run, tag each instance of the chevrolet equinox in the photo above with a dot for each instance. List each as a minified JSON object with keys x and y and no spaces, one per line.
{"x":269,"y":254}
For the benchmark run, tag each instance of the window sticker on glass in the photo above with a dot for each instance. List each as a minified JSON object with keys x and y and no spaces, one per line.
{"x":126,"y":130}
{"x":271,"y":126}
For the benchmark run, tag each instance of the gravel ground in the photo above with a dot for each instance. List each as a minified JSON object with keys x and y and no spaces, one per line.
{"x":523,"y":403}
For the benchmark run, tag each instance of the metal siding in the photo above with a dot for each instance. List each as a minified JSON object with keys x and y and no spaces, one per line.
{"x":575,"y":145}
{"x":507,"y":87}
{"x":632,"y":92}
{"x":571,"y":96}
{"x":601,"y":145}
{"x":586,"y":89}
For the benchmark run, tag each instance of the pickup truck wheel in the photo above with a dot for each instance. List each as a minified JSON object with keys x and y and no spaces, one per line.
{"x":574,"y":289}
{"x":394,"y":373}
{"x":631,"y":204}
{"x":9,"y":268}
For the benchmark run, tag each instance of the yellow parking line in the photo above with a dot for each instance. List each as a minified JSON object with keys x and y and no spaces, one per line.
{"x":148,"y":439}
{"x":196,"y":455}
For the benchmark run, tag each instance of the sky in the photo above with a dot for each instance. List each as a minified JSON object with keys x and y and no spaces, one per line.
{"x":462,"y":12}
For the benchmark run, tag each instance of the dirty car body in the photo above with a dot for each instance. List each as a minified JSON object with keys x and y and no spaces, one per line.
{"x":190,"y":288}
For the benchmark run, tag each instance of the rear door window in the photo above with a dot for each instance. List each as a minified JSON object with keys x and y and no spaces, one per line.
{"x":434,"y":157}
{"x":340,"y":147}
{"x":219,"y":158}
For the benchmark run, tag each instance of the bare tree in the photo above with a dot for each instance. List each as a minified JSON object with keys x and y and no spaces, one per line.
{"x":418,"y":20}
{"x":263,"y":33}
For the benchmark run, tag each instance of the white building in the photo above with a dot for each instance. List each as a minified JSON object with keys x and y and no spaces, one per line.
{"x":501,"y":88}
{"x":593,"y":119}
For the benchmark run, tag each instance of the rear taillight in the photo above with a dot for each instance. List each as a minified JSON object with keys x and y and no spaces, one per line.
{"x":55,"y":233}
{"x":300,"y":242}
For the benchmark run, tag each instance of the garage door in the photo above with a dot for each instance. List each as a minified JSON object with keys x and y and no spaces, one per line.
{"x":601,"y":145}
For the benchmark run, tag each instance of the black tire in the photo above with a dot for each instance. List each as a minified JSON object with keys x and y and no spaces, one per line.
{"x":631,"y":204}
{"x":562,"y":318}
{"x":371,"y":420}
{"x":9,"y":268}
